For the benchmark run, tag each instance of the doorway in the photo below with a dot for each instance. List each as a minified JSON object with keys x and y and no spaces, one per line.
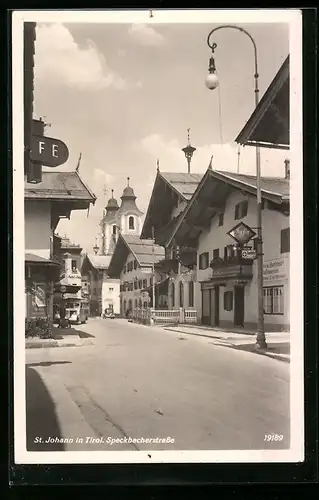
{"x":239,"y":312}
{"x":214,"y":306}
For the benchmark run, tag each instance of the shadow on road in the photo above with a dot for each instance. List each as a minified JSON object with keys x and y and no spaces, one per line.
{"x":60,"y":333}
{"x":41,"y":419}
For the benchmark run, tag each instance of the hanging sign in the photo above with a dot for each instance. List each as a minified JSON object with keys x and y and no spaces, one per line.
{"x":241,"y":233}
{"x":48,"y":151}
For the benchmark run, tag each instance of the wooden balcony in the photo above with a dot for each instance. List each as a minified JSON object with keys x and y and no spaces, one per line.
{"x":234,"y":268}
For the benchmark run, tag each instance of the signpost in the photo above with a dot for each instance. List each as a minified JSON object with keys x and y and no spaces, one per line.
{"x":248,"y":253}
{"x":48,"y":151}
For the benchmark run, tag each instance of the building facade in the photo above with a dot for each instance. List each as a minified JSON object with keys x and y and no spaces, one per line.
{"x":134,"y":261}
{"x":46,"y":202}
{"x":102,"y":291}
{"x":226,"y":288}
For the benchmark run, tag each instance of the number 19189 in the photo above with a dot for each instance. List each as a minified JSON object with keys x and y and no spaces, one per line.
{"x":273,"y":437}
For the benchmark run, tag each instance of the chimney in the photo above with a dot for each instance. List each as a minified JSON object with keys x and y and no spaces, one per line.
{"x":287,"y":169}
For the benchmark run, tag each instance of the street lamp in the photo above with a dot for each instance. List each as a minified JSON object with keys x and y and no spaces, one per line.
{"x":212,"y":83}
{"x":189,"y":151}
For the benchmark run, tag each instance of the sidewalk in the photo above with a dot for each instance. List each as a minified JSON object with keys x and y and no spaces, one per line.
{"x":278,"y":342}
{"x":61,"y":337}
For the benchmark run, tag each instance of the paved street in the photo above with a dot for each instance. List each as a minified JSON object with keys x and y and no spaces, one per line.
{"x":142,"y":382}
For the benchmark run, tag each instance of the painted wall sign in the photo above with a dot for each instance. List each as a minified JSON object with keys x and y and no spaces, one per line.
{"x":275,"y":270}
{"x":146,"y":270}
{"x":48,"y":151}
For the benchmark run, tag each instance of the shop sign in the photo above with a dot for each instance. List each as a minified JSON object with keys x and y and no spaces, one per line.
{"x":248,"y":252}
{"x":48,"y":151}
{"x":275,"y":270}
{"x":146,"y":270}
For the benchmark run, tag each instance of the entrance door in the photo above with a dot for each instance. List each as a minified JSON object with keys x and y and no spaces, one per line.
{"x":205,"y":307}
{"x":214,"y":306}
{"x":239,"y":312}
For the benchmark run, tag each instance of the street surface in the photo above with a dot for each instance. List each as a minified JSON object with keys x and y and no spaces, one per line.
{"x":138,"y":381}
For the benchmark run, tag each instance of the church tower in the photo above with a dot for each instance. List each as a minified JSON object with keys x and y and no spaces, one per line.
{"x":128,"y":215}
{"x":109,"y":226}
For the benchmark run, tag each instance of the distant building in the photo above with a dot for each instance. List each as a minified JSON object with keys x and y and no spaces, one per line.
{"x":171,"y":193}
{"x":102,"y":291}
{"x":132,"y":262}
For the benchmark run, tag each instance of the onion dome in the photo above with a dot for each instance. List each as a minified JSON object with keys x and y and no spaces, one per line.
{"x":112,"y":205}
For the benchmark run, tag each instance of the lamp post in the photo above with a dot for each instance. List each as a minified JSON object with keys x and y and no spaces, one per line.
{"x":212,"y":83}
{"x":188,"y":152}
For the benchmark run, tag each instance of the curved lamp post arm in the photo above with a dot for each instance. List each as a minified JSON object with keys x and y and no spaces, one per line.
{"x":213,"y":46}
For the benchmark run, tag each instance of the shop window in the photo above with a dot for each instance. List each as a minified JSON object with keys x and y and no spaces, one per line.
{"x":140,"y":284}
{"x":181,"y":294}
{"x":221,"y":219}
{"x":173,"y":294}
{"x":131,"y":223}
{"x":285,"y":240}
{"x":274,"y":300}
{"x":73,"y":265}
{"x":241,"y":209}
{"x":145,"y":305}
{"x":191,"y":294}
{"x":228,"y":300}
{"x":203,"y":260}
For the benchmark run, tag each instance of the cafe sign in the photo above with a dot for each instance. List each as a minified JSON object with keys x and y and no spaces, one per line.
{"x":48,"y":152}
{"x":241,"y":233}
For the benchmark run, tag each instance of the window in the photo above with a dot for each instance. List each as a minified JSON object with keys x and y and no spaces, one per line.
{"x":173,"y":294}
{"x":241,"y":209}
{"x":285,"y":240}
{"x":191,"y":294}
{"x":216,"y":254}
{"x":151,"y":281}
{"x":135,"y":264}
{"x":124,"y":305}
{"x":111,"y":289}
{"x":144,"y":283}
{"x":181,"y":294}
{"x":229,"y":252}
{"x":274,"y":300}
{"x":145,"y":305}
{"x":140,"y":303}
{"x":203,"y":260}
{"x":135,"y":303}
{"x":73,"y":265}
{"x":228,"y":300}
{"x":140,"y":284}
{"x":114,"y":229}
{"x":221,"y":219}
{"x":135,"y":285}
{"x":131,"y":222}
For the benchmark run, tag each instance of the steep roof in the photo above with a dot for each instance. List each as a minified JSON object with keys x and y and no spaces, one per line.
{"x":278,"y":186}
{"x":268,"y":125}
{"x":182,"y":185}
{"x":99,"y":261}
{"x":144,"y":251}
{"x":59,"y":186}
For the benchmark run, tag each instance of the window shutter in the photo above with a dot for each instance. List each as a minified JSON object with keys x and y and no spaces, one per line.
{"x":236,"y":211}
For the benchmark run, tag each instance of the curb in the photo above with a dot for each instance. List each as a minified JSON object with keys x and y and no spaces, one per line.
{"x":55,"y":343}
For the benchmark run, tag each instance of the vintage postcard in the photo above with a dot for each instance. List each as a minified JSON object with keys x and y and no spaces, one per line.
{"x":158,"y":236}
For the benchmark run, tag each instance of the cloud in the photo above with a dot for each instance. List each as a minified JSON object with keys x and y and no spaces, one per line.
{"x":225,"y":157}
{"x":58,"y":58}
{"x":146,"y":35}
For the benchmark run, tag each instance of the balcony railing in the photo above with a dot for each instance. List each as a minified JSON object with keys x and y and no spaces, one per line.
{"x":232,"y":268}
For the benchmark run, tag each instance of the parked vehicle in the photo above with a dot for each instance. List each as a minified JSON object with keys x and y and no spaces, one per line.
{"x":108,"y":313}
{"x":77,"y":311}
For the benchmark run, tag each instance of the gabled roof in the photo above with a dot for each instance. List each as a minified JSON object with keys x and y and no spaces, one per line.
{"x":99,"y":261}
{"x":36,"y":259}
{"x":59,"y":186}
{"x":268,"y":125}
{"x":144,"y":251}
{"x":212,"y":192}
{"x":182,"y":185}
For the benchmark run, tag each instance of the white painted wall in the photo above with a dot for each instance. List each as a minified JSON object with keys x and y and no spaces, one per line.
{"x":38,"y":227}
{"x":272,"y":222}
{"x":111,"y":294}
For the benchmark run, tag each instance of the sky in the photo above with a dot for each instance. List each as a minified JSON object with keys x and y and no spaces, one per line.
{"x":124,"y":96}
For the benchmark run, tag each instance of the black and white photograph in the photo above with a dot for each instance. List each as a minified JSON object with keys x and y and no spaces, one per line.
{"x":158,"y":252}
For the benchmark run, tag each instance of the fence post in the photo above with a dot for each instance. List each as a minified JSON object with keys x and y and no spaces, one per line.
{"x":181,"y":315}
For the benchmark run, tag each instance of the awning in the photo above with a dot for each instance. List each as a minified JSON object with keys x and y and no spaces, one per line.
{"x":268,"y":126}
